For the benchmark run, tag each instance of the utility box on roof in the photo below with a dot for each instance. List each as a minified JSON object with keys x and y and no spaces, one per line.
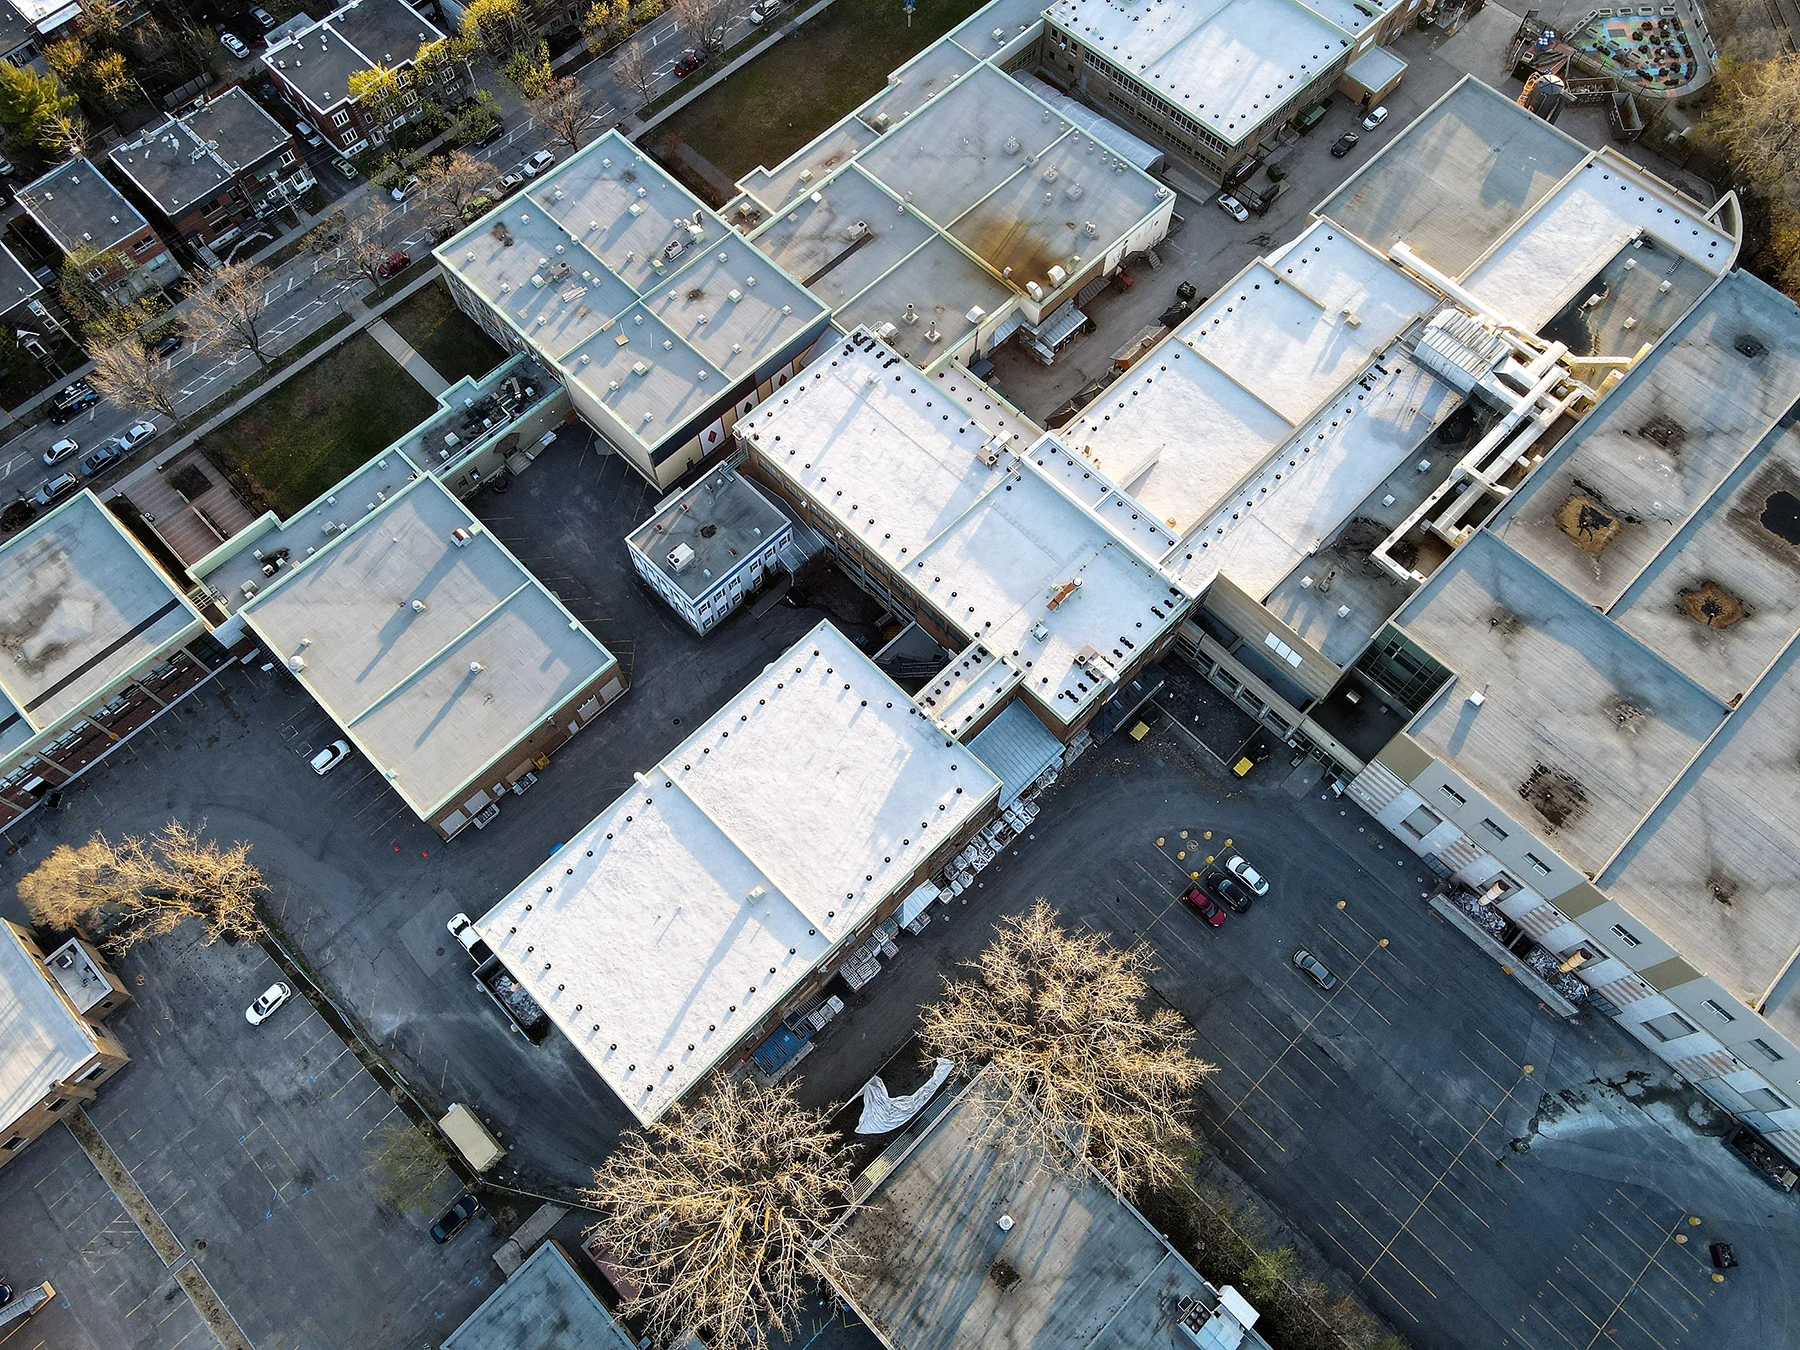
{"x":464,"y":1129}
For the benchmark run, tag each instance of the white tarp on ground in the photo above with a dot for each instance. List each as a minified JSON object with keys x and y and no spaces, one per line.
{"x":882,"y":1113}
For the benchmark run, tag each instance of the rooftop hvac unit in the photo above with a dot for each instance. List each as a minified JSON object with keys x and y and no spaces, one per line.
{"x":1086,"y":656}
{"x":1040,"y":631}
{"x":856,"y":229}
{"x":461,"y":536}
{"x":976,"y":314}
{"x":681,"y":557}
{"x":1035,"y":291}
{"x":757,"y":895}
{"x":66,"y":961}
{"x":1058,"y":276}
{"x":1477,"y":698}
{"x":886,"y":331}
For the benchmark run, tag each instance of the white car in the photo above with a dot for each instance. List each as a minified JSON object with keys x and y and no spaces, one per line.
{"x":766,"y":10}
{"x":1247,"y":874}
{"x":234,"y":46}
{"x":57,"y":453}
{"x":135,"y":435}
{"x":1374,"y":119}
{"x":330,"y":757}
{"x":307,"y":134}
{"x":1232,"y":207}
{"x":406,"y":189}
{"x":542,"y":160}
{"x":266,"y":1004}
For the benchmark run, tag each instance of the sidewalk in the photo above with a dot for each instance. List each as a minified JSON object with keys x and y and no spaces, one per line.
{"x":410,"y":360}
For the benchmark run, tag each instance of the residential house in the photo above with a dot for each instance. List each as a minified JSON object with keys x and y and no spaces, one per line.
{"x":215,"y":171}
{"x":313,"y":69}
{"x":87,"y":217}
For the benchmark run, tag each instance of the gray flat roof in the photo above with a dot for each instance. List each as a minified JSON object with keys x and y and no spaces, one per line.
{"x":637,"y":293}
{"x":1091,"y":1271}
{"x":816,"y":238}
{"x":77,"y":206}
{"x":17,"y":285}
{"x":1228,"y":64}
{"x":319,"y":60}
{"x":722,"y":518}
{"x":82,"y":608}
{"x":796,"y":176}
{"x":1728,"y":831}
{"x":544,"y":1305}
{"x":1571,"y":705}
{"x":182,"y":160}
{"x":1724,"y":598}
{"x":1009,"y":18}
{"x":1456,"y":179}
{"x":1620,"y":486}
{"x":434,"y":657}
{"x":44,"y":1042}
{"x":916,"y":83}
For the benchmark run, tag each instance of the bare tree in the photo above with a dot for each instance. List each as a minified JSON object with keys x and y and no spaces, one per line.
{"x":405,"y":1164}
{"x":225,"y":311}
{"x":704,"y":21}
{"x":633,"y":69}
{"x":1753,"y":116}
{"x":450,"y":184}
{"x":1061,"y":1018}
{"x":562,"y":111}
{"x":722,"y":1214}
{"x":133,"y":376}
{"x":355,"y":247}
{"x":137,"y":888}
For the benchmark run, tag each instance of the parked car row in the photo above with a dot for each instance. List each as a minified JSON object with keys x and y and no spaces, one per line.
{"x":134,"y":435}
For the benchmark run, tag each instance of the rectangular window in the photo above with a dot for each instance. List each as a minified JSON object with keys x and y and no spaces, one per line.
{"x":97,"y":1071}
{"x":1669,"y":1027}
{"x":1422,"y":822}
{"x":1543,"y":868}
{"x":13,"y":1143}
{"x":1773,"y":1055}
{"x":340,"y":119}
{"x":144,"y":245}
{"x":1765,"y":1100}
{"x":1493,"y":829}
{"x":1721,"y":1009}
{"x":1453,"y":795}
{"x":1625,"y":935}
{"x":59,"y":1103}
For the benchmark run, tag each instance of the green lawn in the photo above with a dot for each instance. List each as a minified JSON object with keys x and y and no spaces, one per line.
{"x":441,"y":333}
{"x":308,"y":433}
{"x":807,"y":81}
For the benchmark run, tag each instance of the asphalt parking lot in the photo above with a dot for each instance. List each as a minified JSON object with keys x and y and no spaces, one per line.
{"x":249,"y":1145}
{"x":1482,"y":1172}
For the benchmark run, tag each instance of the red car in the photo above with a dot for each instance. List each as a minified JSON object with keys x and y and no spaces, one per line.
{"x":688,"y":62}
{"x":395,"y":261}
{"x":1204,"y":905}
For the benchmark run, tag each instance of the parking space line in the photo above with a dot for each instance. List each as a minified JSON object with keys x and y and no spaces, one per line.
{"x":364,"y":1102}
{"x":1455,"y":1157}
{"x":1439,"y":1180}
{"x":1547,"y":1322}
{"x":1395,"y":1298}
{"x":1464,"y":1203}
{"x":1320,"y":1068}
{"x":309,"y":1017}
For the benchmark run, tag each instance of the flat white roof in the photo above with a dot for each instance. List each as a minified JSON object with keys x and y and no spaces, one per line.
{"x":636,"y":293}
{"x":898,"y":462}
{"x":689,"y":909}
{"x":1199,"y":415}
{"x":1569,"y":238}
{"x":44,"y":1041}
{"x":434,"y":657}
{"x":82,"y":608}
{"x":1228,"y":64}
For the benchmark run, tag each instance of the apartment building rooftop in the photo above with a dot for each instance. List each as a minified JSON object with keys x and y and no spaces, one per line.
{"x":1090,"y":1271}
{"x":1622,"y":485}
{"x":80,"y":209}
{"x":686,"y":912}
{"x":319,"y":60}
{"x":82,"y":607}
{"x":982,"y":526}
{"x":1557,"y":712}
{"x":543,"y":1305}
{"x":637,"y":293}
{"x":17,"y":285}
{"x":1254,"y":365}
{"x":948,"y":196}
{"x":1228,"y":64}
{"x":1715,"y":871}
{"x":185,"y":159}
{"x":421,"y":635}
